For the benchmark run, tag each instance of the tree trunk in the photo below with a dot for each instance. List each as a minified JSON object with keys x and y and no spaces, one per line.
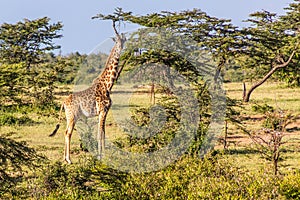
{"x":275,"y":161}
{"x":152,"y":94}
{"x":226,"y":134}
{"x":246,"y":95}
{"x":244,"y":90}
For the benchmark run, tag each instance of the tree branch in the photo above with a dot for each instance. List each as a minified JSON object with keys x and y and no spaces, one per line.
{"x":115,"y":30}
{"x":246,"y":97}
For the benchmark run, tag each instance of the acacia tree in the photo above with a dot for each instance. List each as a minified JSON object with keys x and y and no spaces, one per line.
{"x":217,"y":36}
{"x":28,"y":71}
{"x":291,"y":74}
{"x":268,"y":45}
{"x":272,"y":44}
{"x":180,"y":41}
{"x":28,"y":41}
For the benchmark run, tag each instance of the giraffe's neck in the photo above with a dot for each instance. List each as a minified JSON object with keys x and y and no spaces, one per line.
{"x":111,"y":70}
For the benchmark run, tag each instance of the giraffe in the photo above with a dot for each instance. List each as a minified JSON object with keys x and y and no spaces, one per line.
{"x":95,"y":100}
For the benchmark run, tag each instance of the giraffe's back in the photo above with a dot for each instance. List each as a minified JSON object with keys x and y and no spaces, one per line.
{"x":83,"y":102}
{"x":87,"y":102}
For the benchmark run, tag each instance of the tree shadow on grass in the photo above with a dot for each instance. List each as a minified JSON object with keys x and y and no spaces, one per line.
{"x":244,"y":151}
{"x":86,"y":177}
{"x":15,"y":159}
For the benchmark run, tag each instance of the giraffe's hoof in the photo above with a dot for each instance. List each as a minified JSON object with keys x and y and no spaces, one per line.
{"x":68,"y":161}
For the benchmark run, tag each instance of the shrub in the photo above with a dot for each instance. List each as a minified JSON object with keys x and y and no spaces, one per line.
{"x":262,"y":108}
{"x":15,"y":160}
{"x":214,"y":177}
{"x":290,"y":186}
{"x":60,"y":180}
{"x":10,"y":119}
{"x":153,"y":128}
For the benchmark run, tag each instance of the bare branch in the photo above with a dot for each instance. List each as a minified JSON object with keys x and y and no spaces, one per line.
{"x":115,"y":30}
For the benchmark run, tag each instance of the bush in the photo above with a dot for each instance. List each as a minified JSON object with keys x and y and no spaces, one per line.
{"x":81,"y":180}
{"x":153,"y":128}
{"x":262,"y":108}
{"x":149,"y":133}
{"x":290,"y":186}
{"x":60,"y":180}
{"x":16,"y":158}
{"x":10,"y":119}
{"x":213,"y":177}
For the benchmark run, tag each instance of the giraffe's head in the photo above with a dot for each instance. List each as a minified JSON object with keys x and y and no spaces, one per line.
{"x":120,"y":39}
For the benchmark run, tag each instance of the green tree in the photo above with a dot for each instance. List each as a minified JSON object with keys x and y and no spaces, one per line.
{"x":181,"y":42}
{"x":218,"y":36}
{"x":268,"y":45}
{"x":271,"y":44}
{"x":30,"y":70}
{"x":291,"y":74}
{"x":28,"y":41}
{"x":12,"y":79}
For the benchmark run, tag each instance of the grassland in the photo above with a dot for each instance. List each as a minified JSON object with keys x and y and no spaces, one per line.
{"x":273,"y":94}
{"x":241,"y":150}
{"x":279,"y":97}
{"x":276,"y":95}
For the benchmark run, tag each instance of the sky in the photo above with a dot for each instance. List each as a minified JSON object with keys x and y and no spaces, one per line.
{"x":83,"y":34}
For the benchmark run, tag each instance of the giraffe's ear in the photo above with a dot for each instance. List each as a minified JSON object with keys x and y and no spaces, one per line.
{"x":114,"y":39}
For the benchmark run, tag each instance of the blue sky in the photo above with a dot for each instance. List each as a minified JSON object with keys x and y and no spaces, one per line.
{"x":83,"y":34}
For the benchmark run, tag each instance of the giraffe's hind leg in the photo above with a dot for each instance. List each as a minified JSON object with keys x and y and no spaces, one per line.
{"x":68,"y":135}
{"x":101,"y":134}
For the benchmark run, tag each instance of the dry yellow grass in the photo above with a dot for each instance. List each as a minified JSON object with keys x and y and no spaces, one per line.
{"x":279,"y":97}
{"x":273,"y":94}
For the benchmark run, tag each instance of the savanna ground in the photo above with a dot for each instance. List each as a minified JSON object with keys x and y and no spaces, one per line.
{"x":240,"y":172}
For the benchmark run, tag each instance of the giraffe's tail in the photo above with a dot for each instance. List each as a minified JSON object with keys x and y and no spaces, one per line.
{"x":57,"y":125}
{"x":55,"y":131}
